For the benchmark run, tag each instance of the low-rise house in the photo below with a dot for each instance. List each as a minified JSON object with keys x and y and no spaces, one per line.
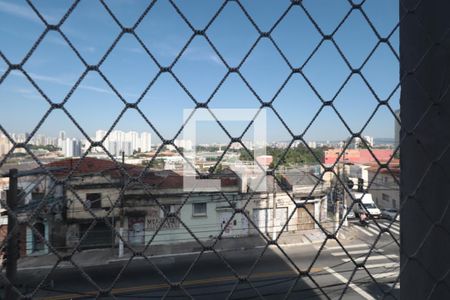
{"x":384,"y":186}
{"x":87,"y":202}
{"x":297,"y":198}
{"x":101,"y":201}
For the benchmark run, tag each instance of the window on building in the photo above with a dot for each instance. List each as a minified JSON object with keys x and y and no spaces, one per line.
{"x":37,"y":196}
{"x":385,"y":179}
{"x":94,"y":200}
{"x":385,"y":197}
{"x":199,"y":209}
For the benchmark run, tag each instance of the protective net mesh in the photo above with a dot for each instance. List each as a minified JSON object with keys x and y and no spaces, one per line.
{"x":64,"y":196}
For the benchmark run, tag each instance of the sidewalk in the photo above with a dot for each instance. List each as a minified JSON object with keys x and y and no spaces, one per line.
{"x":97,"y":257}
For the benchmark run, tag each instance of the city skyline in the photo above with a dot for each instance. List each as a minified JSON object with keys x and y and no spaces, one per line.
{"x":43,"y":139}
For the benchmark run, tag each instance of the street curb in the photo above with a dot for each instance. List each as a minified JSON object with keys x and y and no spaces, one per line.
{"x":161,"y":256}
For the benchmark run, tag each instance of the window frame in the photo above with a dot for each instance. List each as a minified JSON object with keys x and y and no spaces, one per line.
{"x":94,"y":204}
{"x":200,"y":214}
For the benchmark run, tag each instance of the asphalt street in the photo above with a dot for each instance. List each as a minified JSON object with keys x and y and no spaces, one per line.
{"x":334,"y":271}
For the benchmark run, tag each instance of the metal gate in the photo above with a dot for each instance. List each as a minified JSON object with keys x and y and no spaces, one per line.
{"x":98,"y":236}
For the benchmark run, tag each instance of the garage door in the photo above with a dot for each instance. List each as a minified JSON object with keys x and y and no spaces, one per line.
{"x":260,"y":219}
{"x":263,"y":219}
{"x":224,"y":217}
{"x":281,"y":218}
{"x":304,"y":220}
{"x":99,"y":236}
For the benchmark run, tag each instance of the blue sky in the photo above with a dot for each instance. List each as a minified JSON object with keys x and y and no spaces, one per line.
{"x":55,"y":67}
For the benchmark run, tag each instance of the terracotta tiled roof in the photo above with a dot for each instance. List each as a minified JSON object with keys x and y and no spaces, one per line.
{"x":154,"y":178}
{"x":358,"y":156}
{"x":87,"y":165}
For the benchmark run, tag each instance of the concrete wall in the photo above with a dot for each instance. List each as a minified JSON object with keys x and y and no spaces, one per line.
{"x":203,"y":227}
{"x":385,"y":191}
{"x":75,"y":200}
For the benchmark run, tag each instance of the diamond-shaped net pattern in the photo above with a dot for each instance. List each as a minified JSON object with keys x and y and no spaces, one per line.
{"x":127,"y":178}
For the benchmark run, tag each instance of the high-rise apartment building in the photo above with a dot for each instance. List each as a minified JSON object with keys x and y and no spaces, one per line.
{"x":118,"y":142}
{"x":5,"y":145}
{"x":71,"y":147}
{"x":62,"y":135}
{"x":185,"y":144}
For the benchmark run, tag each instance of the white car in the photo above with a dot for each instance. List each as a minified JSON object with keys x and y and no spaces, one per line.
{"x":390,"y":214}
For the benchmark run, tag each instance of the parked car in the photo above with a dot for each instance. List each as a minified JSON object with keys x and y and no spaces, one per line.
{"x":390,"y":214}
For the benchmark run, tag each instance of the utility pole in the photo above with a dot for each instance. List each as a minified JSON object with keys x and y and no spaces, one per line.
{"x":344,"y":195}
{"x":121,"y":217}
{"x":336,"y":201}
{"x":343,"y":179}
{"x":274,"y":210}
{"x":12,"y":244}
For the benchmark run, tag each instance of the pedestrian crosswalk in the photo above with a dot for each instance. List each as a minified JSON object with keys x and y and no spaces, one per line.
{"x":363,"y":230}
{"x":382,"y":266}
{"x":395,"y":228}
{"x":386,"y":265}
{"x":373,"y":230}
{"x":372,"y":257}
{"x":364,"y":251}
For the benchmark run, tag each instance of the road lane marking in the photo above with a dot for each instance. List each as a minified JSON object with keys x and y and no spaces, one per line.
{"x":385,"y":275}
{"x":375,"y":257}
{"x":395,"y":231}
{"x":376,"y":231}
{"x":342,"y":253}
{"x":391,"y":229}
{"x":351,"y":285}
{"x":382,"y":265}
{"x":395,"y":226}
{"x":348,"y":246}
{"x":118,"y":291}
{"x":363,"y":231}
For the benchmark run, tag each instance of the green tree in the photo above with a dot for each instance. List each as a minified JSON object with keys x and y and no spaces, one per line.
{"x":295,"y":155}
